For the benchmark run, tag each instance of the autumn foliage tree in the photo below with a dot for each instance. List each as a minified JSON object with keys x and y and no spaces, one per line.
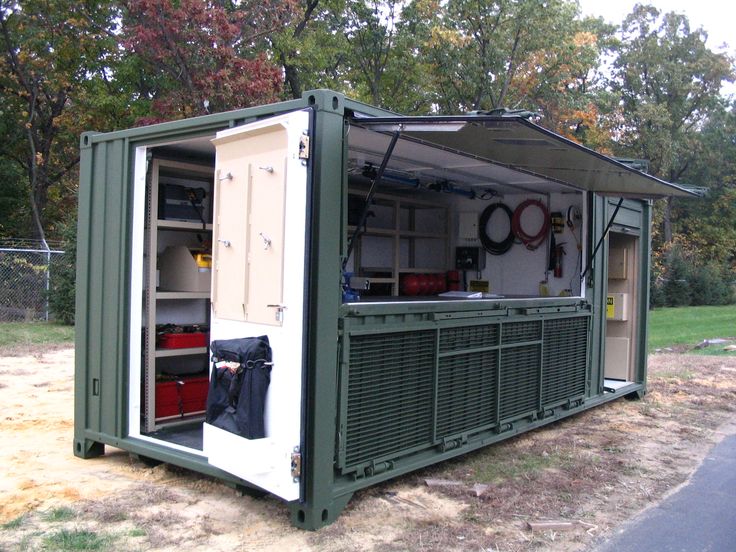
{"x":50,"y":54}
{"x":669,"y":83}
{"x":205,"y":56}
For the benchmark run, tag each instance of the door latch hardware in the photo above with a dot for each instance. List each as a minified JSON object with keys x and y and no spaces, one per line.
{"x":268,"y":169}
{"x":304,"y":146}
{"x":228,"y":176}
{"x":226,"y":243}
{"x":279,"y":311}
{"x":266,"y":240}
{"x":296,"y":464}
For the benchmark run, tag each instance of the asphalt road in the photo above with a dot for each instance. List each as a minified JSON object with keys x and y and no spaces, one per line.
{"x":700,"y":517}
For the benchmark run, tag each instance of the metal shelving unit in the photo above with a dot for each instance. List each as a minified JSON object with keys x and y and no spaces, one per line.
{"x":399,"y":223}
{"x":160,"y":303}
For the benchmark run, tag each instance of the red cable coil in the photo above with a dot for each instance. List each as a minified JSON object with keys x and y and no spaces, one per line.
{"x":530,"y":241}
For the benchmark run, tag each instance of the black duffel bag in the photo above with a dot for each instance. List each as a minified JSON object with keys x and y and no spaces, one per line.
{"x":236,"y":399}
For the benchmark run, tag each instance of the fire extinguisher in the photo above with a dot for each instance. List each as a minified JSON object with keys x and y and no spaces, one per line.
{"x":559,"y":252}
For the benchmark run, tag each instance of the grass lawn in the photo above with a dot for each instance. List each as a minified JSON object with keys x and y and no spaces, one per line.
{"x":690,"y":326}
{"x":20,"y":334}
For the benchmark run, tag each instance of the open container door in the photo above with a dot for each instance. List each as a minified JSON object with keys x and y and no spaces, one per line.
{"x":259,"y":286}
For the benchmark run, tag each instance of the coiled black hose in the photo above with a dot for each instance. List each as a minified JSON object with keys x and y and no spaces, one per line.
{"x":494,"y":247}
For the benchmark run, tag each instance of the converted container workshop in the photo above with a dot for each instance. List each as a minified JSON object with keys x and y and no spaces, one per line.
{"x":314,"y":296}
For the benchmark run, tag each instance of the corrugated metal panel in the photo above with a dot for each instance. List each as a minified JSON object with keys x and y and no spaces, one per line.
{"x":390,"y":390}
{"x":467,"y":392}
{"x":101,"y":307}
{"x":564,"y":359}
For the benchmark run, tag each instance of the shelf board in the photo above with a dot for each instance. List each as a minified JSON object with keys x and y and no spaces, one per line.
{"x":177,"y":419}
{"x":160,"y":353}
{"x":181,"y":225}
{"x":182,"y":295}
{"x":381,"y":280}
{"x":422,"y":270}
{"x":375,"y":231}
{"x":415,"y":234}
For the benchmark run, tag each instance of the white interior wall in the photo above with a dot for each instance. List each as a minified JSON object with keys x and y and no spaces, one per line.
{"x":519,"y":271}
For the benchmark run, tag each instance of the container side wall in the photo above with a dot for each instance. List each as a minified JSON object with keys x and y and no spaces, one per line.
{"x":645,"y":244}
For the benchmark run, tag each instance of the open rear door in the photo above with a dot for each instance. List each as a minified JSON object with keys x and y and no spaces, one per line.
{"x":259,"y":285}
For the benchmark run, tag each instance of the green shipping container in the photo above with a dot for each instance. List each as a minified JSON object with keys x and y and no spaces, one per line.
{"x":401,"y":268}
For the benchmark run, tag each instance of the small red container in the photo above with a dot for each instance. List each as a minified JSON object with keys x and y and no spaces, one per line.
{"x":183,"y":340}
{"x":181,"y":397}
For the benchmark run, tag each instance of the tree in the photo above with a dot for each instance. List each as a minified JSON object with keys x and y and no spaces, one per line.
{"x":669,"y":82}
{"x":487,"y":54}
{"x":49,"y":52}
{"x":708,"y":224}
{"x":204,"y":56}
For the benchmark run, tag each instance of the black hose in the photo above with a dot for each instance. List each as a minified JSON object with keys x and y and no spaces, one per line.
{"x":494,"y":247}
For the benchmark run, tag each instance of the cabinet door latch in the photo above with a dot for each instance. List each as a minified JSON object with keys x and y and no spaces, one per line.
{"x":304,"y":146}
{"x":279,"y":311}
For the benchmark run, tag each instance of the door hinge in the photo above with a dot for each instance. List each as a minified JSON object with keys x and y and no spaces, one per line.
{"x":296,"y":464}
{"x":304,"y":146}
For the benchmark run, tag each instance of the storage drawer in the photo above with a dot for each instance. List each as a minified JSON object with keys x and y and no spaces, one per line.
{"x":181,"y":397}
{"x":182,"y":340}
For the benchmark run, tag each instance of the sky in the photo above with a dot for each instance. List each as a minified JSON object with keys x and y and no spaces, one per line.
{"x":716,"y":17}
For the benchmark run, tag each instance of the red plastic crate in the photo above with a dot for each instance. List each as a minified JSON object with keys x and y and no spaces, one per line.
{"x":181,"y":397}
{"x":183,"y":340}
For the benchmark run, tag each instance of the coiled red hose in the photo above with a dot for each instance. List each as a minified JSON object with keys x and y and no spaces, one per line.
{"x":531,"y":241}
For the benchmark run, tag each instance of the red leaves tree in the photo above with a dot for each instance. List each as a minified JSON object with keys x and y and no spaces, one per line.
{"x":203,"y":56}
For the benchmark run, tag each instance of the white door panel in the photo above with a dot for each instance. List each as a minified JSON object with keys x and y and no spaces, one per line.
{"x":259,"y":283}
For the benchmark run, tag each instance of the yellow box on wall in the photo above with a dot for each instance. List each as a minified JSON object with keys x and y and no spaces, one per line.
{"x":616,"y":306}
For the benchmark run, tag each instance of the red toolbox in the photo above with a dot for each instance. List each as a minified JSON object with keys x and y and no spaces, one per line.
{"x":183,"y":340}
{"x":181,"y":397}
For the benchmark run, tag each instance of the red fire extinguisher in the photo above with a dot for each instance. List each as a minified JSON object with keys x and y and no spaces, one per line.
{"x":559,"y":252}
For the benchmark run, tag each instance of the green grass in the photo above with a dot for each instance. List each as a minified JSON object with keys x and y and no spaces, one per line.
{"x":77,"y":540}
{"x":494,"y":467}
{"x":19,"y":334}
{"x":60,"y":514}
{"x":690,"y":326}
{"x":14,"y":523}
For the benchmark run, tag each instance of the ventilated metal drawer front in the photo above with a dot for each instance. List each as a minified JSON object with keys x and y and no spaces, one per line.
{"x":519,"y":381}
{"x":467,"y":392}
{"x":564,"y":361}
{"x":518,"y":332}
{"x":390,"y":394}
{"x":468,"y":337}
{"x":410,"y":390}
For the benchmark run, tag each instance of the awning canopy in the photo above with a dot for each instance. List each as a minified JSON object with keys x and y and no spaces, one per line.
{"x":503,"y":151}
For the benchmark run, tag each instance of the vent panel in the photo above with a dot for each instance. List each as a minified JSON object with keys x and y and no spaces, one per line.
{"x":518,"y":332}
{"x":467,"y":392}
{"x":565,"y":359}
{"x":519,"y":381}
{"x":468,"y":337}
{"x":390,"y":391}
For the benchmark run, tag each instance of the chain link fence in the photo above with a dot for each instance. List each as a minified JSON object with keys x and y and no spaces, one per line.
{"x":25,"y":279}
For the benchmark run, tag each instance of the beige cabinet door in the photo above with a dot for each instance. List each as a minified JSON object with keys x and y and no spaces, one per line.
{"x":248,"y":244}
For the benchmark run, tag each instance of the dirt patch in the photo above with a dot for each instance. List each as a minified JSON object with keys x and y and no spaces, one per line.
{"x":598,"y":469}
